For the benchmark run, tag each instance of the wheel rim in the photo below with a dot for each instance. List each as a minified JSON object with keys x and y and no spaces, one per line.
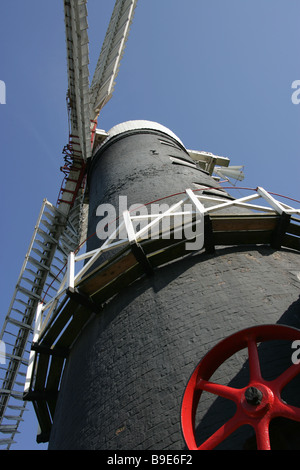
{"x":256,"y":404}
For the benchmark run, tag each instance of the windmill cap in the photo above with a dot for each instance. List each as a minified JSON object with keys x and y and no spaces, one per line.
{"x":139,"y":125}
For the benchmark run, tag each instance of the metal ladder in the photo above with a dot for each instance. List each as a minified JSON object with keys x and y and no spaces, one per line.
{"x":54,"y":236}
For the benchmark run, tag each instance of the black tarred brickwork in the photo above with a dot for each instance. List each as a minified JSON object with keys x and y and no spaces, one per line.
{"x":126,"y":375}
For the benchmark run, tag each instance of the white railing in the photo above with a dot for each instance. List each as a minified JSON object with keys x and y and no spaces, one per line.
{"x":127,"y":227}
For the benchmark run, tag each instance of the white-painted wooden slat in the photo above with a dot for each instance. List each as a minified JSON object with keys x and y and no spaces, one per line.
{"x":111,"y":53}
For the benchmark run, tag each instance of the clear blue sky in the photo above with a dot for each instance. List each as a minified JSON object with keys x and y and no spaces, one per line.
{"x":217,"y":73}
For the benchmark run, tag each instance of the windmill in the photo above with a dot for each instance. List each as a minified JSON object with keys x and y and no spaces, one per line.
{"x":61,"y":229}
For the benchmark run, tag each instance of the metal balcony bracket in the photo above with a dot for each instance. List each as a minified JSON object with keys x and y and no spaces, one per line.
{"x":57,"y":352}
{"x":43,"y":437}
{"x":141,"y":257}
{"x":44,"y":395}
{"x":83,"y":299}
{"x":280,"y":231}
{"x":209,"y":235}
{"x":136,"y":248}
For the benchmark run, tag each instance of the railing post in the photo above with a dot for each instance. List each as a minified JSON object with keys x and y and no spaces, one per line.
{"x":129,"y":227}
{"x":273,"y":203}
{"x":71,"y":270}
{"x":200,"y":212}
{"x":37,"y":329}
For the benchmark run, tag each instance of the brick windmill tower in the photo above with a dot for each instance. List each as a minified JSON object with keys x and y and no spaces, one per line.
{"x":160,"y":311}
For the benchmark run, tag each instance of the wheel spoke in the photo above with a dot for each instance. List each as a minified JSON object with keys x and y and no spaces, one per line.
{"x":221,"y":390}
{"x":289,"y":411}
{"x":222,"y":433}
{"x":284,"y":378}
{"x":262,"y":434}
{"x":254,"y":365}
{"x":256,"y":404}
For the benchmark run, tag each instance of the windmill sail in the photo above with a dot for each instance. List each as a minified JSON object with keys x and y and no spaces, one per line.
{"x":107,"y":68}
{"x":78,"y":74}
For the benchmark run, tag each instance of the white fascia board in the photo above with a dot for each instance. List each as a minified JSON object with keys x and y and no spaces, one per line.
{"x":201,"y":156}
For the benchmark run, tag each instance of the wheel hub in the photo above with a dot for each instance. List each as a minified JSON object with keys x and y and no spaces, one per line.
{"x":257,"y":400}
{"x":253,"y":396}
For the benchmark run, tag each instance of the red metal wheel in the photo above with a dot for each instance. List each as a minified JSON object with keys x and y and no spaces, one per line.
{"x":256,"y":404}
